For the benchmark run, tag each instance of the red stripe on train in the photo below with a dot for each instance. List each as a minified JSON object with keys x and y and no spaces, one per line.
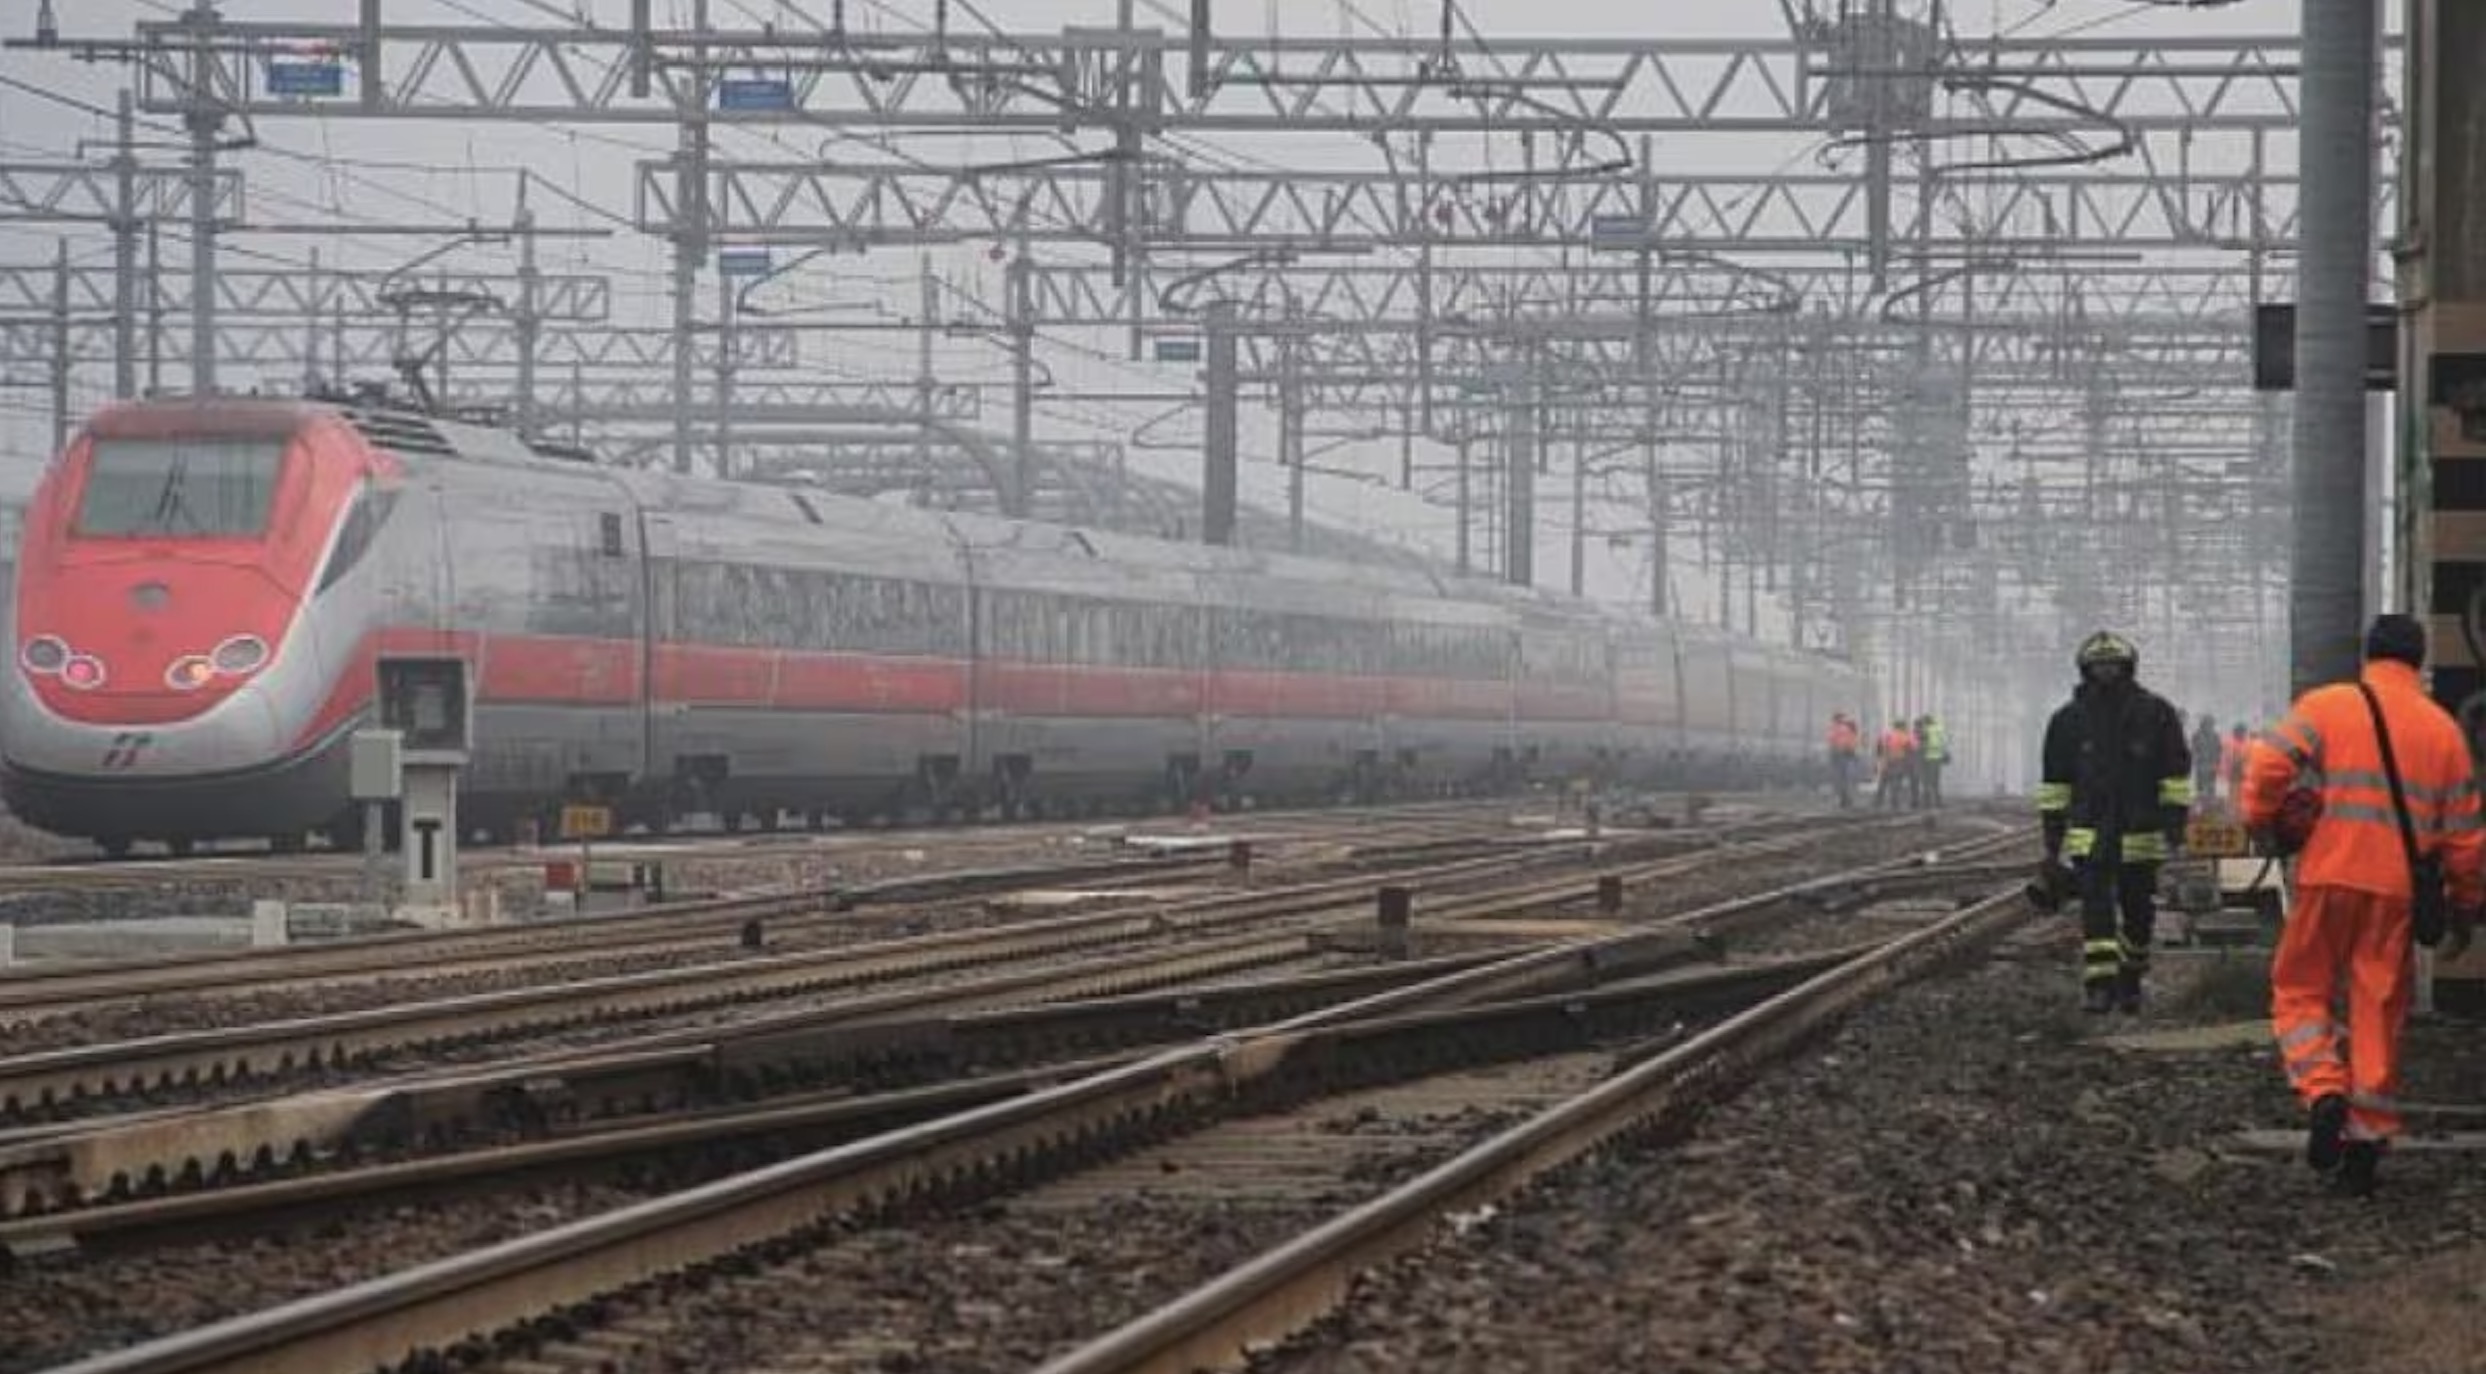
{"x":589,"y":673}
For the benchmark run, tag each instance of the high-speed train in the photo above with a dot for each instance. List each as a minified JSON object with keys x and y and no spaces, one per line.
{"x":205,"y":589}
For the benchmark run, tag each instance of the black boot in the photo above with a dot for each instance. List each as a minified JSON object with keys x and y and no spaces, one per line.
{"x":2128,"y":990}
{"x":2322,"y":1133}
{"x":2359,"y":1162}
{"x":2097,"y":997}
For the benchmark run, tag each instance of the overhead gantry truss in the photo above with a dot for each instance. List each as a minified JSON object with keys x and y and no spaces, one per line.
{"x":242,"y":293}
{"x":1170,"y":204}
{"x":1046,"y":83}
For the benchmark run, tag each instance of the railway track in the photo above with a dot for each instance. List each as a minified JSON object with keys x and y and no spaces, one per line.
{"x":1539,"y":1001}
{"x":682,"y":928}
{"x":869,"y":1039}
{"x":96,"y":873}
{"x":1282,"y":1289}
{"x":55,"y":1081}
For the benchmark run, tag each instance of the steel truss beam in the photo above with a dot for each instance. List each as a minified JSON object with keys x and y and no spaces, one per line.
{"x":2146,"y":201}
{"x":303,"y":295}
{"x":562,"y":398}
{"x":485,"y":342}
{"x":1076,"y":78}
{"x":78,"y":193}
{"x":2001,"y":293}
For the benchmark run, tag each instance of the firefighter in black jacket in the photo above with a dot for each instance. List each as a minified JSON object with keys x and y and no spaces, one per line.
{"x":2115,"y":792}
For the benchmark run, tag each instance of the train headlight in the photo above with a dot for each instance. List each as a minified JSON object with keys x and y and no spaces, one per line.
{"x":240,"y":654}
{"x":189,"y":673}
{"x":44,"y":655}
{"x":85,"y":672}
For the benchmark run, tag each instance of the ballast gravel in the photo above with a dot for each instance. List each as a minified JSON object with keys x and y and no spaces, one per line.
{"x":1966,"y":1178}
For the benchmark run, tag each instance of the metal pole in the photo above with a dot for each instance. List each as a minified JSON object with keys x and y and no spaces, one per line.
{"x":725,"y":346}
{"x":125,"y":250}
{"x":1579,"y":511}
{"x":1021,"y":498}
{"x":204,"y":121}
{"x":1519,"y":491}
{"x":60,"y":347}
{"x":155,"y":309}
{"x":1217,"y":483}
{"x":319,"y":308}
{"x":529,"y":317}
{"x":690,"y":244}
{"x":1467,"y":511}
{"x":2333,"y":264}
{"x":1290,"y":432}
{"x":930,"y":303}
{"x":1660,"y":594}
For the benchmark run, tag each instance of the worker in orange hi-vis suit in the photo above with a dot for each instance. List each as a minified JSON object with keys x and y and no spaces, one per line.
{"x":2366,"y":883}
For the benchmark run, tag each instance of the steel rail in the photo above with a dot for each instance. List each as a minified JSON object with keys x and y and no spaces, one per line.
{"x":435,"y":1306}
{"x":79,"y":1160}
{"x":1381,"y":1047}
{"x":1285,"y":1288}
{"x":87,"y":874}
{"x":38,"y":1081}
{"x":31,"y":993}
{"x":39,"y":992}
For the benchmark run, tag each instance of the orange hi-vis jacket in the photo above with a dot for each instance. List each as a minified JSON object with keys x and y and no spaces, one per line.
{"x":1896,"y":745}
{"x":1842,"y":737}
{"x":2327,"y":744}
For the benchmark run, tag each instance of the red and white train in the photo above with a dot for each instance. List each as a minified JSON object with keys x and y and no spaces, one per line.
{"x":204,"y":589}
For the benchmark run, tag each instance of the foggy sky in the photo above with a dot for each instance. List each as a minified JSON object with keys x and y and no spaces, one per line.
{"x":343,"y":171}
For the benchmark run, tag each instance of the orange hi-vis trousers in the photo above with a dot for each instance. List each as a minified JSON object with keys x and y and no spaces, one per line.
{"x":2339,"y":936}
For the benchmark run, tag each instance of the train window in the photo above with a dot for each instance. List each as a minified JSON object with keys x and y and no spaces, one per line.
{"x":609,"y":531}
{"x":194,"y":487}
{"x":362,"y":524}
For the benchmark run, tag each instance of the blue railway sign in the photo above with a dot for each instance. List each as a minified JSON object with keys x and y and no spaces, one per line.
{"x":754,"y":93}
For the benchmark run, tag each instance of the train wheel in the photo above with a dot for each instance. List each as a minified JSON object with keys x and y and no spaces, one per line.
{"x":114,"y":846}
{"x":182,"y":848}
{"x":288,"y":844}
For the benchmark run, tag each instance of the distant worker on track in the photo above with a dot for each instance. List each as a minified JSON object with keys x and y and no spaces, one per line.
{"x":1845,"y":742}
{"x":1894,"y":758}
{"x":2208,"y":757}
{"x":2115,"y":791}
{"x":2397,"y":824}
{"x":1933,"y":744}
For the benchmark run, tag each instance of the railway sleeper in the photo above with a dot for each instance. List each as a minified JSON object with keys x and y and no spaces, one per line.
{"x":945,"y":1166}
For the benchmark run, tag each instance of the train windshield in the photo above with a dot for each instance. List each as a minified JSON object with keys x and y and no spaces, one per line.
{"x":198,"y":488}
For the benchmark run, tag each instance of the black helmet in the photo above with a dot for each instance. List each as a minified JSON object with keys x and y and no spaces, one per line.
{"x":2106,"y":647}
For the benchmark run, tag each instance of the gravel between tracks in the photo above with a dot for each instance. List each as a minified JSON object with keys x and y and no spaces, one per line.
{"x":1963,"y":1178}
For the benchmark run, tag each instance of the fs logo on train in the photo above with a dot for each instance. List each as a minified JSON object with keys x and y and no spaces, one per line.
{"x":126,"y":747}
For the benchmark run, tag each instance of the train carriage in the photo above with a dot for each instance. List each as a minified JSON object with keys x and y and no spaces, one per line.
{"x":207,"y":587}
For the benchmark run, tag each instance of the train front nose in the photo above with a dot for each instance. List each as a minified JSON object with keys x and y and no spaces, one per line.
{"x":159,"y":711}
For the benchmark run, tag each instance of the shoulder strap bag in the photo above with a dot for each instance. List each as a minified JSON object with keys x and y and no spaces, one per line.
{"x":2428,"y":908}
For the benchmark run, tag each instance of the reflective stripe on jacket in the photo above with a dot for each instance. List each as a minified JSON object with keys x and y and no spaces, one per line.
{"x":2116,"y":775}
{"x":1937,"y":743}
{"x":2327,"y":744}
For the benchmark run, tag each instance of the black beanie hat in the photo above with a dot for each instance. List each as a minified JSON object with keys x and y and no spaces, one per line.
{"x":2397,"y":637}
